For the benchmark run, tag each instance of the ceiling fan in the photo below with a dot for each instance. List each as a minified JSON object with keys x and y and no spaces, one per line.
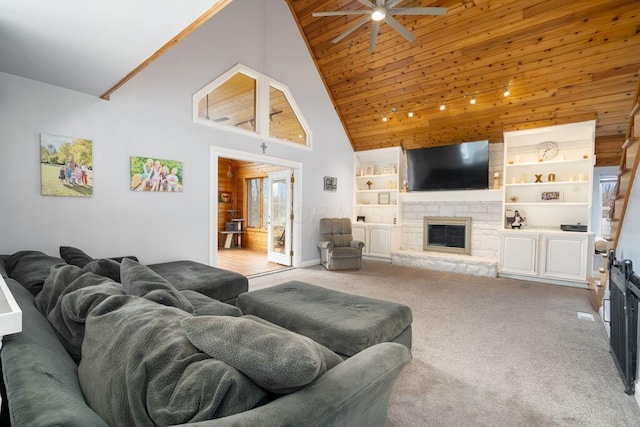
{"x":379,"y":11}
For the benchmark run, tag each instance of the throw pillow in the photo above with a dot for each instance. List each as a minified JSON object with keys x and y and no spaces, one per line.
{"x":139,"y":368}
{"x":205,"y":306}
{"x":74,"y":256}
{"x":141,"y":281}
{"x":277,"y":360}
{"x":31,"y":268}
{"x":104,"y":267}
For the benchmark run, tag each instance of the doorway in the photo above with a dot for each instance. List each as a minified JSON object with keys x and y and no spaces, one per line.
{"x":252,"y":211}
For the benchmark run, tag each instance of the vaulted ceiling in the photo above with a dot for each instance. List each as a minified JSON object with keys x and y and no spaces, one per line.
{"x":563,"y":61}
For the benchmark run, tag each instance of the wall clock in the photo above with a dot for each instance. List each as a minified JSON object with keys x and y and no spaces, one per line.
{"x":546,"y":150}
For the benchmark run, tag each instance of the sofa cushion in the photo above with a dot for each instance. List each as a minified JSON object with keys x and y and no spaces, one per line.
{"x":41,"y":378}
{"x":141,"y":281}
{"x":79,"y":258}
{"x":139,"y":368}
{"x":31,"y":268}
{"x":67,"y":298}
{"x":205,"y":306}
{"x":217,"y":283}
{"x":276,"y":359}
{"x":104,"y":267}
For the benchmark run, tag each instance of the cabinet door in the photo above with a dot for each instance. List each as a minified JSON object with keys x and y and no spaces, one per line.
{"x":518,"y":253}
{"x":380,"y":243}
{"x":565,"y":257}
{"x":360,"y":233}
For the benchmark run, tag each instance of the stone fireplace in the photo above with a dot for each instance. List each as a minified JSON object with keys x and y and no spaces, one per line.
{"x":447,"y":234}
{"x":483,"y":209}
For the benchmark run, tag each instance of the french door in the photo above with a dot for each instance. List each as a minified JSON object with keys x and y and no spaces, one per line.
{"x":279,"y":222}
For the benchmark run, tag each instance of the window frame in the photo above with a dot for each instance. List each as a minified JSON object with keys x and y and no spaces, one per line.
{"x":263,"y":83}
{"x":262,"y":226}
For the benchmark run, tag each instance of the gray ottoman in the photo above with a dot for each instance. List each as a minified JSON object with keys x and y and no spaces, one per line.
{"x":345,"y":323}
{"x":216,"y":283}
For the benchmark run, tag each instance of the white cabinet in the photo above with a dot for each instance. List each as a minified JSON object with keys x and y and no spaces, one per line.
{"x":548,"y":180}
{"x":565,"y":256}
{"x":546,"y":256}
{"x":519,"y":253}
{"x":379,"y":239}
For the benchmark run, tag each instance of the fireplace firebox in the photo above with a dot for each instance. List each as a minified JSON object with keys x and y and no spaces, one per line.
{"x":447,"y":234}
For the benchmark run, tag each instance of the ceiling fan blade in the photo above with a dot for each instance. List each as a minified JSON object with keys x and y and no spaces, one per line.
{"x":399,"y":28}
{"x":367,"y":3}
{"x":379,"y":3}
{"x":418,"y":11}
{"x":374,"y":35}
{"x":358,"y":24}
{"x":391,"y":3}
{"x":341,"y":12}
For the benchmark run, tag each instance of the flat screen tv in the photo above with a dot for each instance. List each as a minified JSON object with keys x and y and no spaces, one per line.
{"x":449,"y":167}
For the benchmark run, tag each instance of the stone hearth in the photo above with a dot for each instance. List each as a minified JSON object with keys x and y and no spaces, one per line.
{"x":486,"y":217}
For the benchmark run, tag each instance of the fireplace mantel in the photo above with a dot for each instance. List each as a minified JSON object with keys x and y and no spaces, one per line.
{"x":453,"y":196}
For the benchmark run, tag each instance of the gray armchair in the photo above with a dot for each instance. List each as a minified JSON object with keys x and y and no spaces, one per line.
{"x":338,"y":250}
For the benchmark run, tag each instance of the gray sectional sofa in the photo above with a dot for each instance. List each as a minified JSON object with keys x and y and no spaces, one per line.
{"x":115,"y":343}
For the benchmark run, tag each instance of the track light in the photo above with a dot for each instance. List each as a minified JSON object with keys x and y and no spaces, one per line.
{"x":506,"y":90}
{"x":473,"y":100}
{"x":442,"y":107}
{"x":410,"y":114}
{"x":384,"y":118}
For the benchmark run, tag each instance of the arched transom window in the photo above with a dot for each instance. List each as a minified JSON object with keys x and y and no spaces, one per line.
{"x":243,"y":100}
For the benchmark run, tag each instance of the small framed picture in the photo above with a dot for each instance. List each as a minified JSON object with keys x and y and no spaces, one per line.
{"x":360,"y":218}
{"x":224,"y":197}
{"x":551,"y":196}
{"x":388,"y":170}
{"x":384,"y":198}
{"x":369,"y":170}
{"x":330,"y":183}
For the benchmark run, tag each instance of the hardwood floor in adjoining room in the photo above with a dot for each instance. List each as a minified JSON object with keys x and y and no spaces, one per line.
{"x":246,"y":262}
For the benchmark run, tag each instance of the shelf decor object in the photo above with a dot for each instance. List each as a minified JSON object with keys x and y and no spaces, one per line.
{"x":551,"y":196}
{"x":369,"y":170}
{"x":546,"y":150}
{"x":384,"y":198}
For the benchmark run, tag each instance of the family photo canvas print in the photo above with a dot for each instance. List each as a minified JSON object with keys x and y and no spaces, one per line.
{"x":66,"y":166}
{"x":153,"y":174}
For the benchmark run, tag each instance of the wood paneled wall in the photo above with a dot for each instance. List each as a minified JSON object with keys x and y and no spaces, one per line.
{"x":255,"y":239}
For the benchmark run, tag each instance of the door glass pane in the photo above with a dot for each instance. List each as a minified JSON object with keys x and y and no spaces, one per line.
{"x":278,"y":213}
{"x":283,"y":122}
{"x":233,"y":103}
{"x":265,"y":202}
{"x":253,"y":202}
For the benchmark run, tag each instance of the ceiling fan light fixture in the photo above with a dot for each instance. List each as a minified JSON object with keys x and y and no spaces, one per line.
{"x":378,"y":13}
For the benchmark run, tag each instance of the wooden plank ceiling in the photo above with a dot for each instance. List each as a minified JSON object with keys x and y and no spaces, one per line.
{"x":563,"y":60}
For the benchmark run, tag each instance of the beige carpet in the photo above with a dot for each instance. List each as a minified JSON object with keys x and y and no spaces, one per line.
{"x":490,"y":352}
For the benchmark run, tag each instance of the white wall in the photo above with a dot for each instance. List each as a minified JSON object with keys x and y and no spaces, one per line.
{"x":151,"y":116}
{"x":629,"y":242}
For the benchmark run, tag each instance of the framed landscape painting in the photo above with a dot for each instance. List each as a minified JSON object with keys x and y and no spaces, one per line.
{"x":66,"y":166}
{"x":156,"y":175}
